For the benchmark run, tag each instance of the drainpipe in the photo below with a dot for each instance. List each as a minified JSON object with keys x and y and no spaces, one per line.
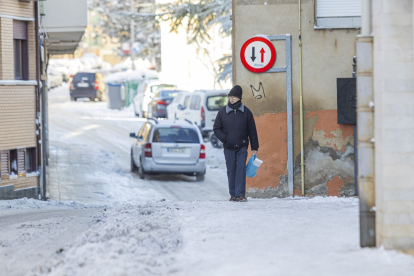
{"x":38,"y":105}
{"x":302,"y":153}
{"x":365,"y":127}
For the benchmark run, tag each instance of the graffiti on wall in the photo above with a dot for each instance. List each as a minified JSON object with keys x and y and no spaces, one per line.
{"x":258,"y":93}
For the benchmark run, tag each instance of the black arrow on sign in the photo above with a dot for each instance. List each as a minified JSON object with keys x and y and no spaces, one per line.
{"x":253,"y":57}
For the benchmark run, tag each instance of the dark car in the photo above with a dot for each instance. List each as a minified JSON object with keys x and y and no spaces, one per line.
{"x":157,"y":107}
{"x":87,"y":85}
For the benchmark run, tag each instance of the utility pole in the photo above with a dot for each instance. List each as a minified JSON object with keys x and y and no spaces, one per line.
{"x":132,"y":33}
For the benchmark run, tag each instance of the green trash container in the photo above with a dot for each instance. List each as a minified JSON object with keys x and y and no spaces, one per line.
{"x":133,"y":82}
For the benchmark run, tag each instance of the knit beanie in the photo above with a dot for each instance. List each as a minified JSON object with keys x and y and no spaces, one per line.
{"x":236,"y":91}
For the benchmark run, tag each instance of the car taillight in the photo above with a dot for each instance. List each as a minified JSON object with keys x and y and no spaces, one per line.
{"x":148,"y":150}
{"x":203,"y":152}
{"x":72,"y":86}
{"x":203,"y":114}
{"x":96,"y":85}
{"x":162,"y":103}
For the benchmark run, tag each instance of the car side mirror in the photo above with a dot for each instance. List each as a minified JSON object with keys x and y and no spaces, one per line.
{"x":132,"y":135}
{"x":180,"y":107}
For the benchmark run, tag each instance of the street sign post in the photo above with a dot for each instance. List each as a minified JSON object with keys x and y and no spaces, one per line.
{"x":258,"y":54}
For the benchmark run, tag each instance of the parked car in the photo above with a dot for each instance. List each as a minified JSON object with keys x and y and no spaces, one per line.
{"x":168,"y":147}
{"x":202,"y":108}
{"x":54,"y":78}
{"x":181,"y":99}
{"x":157,"y":107}
{"x":87,"y":85}
{"x":143,"y":97}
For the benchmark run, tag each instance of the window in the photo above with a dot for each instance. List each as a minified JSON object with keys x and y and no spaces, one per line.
{"x":338,"y":14}
{"x":4,"y":164}
{"x":168,"y":93}
{"x":176,"y":135}
{"x":21,"y":66}
{"x":146,"y":132}
{"x":195,"y":102}
{"x":31,"y":160}
{"x":215,"y":102}
{"x":187,"y":98}
{"x":178,"y":98}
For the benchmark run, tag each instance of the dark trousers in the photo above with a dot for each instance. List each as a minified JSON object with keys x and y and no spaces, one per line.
{"x":236,"y":170}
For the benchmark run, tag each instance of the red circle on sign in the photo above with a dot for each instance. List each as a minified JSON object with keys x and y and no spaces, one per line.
{"x":272,"y":57}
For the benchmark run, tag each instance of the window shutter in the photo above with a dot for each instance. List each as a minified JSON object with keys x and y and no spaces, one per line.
{"x":21,"y":162}
{"x":5,"y":164}
{"x":19,"y":29}
{"x":338,"y":8}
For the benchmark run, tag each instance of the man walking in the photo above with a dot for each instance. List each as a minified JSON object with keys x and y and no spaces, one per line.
{"x":235,"y":126}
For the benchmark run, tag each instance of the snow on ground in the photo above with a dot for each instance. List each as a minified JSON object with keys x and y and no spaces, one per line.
{"x":130,"y":230}
{"x":317,"y":236}
{"x":90,"y":154}
{"x":30,"y":204}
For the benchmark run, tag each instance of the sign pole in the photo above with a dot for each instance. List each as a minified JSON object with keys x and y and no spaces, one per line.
{"x":249,"y":48}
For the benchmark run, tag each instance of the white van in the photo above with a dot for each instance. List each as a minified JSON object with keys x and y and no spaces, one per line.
{"x":181,"y":99}
{"x":202,"y":108}
{"x":141,"y":100}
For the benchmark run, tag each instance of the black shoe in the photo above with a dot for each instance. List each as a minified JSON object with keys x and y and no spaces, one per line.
{"x":241,"y":199}
{"x":233,"y":198}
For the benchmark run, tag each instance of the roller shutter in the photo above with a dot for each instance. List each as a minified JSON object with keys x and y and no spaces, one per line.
{"x":19,"y":29}
{"x":4,"y":164}
{"x":338,"y":8}
{"x":338,"y":13}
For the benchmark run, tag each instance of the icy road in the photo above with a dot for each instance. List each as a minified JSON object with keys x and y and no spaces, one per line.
{"x":103,"y":220}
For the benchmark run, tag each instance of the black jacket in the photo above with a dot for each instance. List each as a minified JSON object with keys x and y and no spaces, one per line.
{"x":235,"y":127}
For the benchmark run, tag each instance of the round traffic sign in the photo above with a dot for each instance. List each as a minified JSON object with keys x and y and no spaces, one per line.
{"x":126,"y":48}
{"x":258,"y":54}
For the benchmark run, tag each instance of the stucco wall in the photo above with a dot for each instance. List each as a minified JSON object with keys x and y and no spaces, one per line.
{"x":327,"y":55}
{"x":394,"y":123}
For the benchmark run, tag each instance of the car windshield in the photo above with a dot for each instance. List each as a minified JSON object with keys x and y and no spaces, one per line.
{"x":215,"y":102}
{"x":176,"y":135}
{"x":169,"y":93}
{"x":156,"y":88}
{"x":84,"y":76}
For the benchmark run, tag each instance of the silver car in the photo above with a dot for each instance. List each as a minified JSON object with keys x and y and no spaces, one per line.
{"x":168,"y":147}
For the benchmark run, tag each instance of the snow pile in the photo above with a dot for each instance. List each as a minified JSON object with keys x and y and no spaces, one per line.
{"x":128,"y":240}
{"x":29,"y":203}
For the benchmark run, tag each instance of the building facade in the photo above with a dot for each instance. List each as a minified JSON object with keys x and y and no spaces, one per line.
{"x":19,"y":101}
{"x":393,"y":107}
{"x":323,"y":54}
{"x":24,"y":50}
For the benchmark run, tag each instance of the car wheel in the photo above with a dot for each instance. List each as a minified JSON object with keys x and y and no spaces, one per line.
{"x":141,"y":171}
{"x":134,"y":168}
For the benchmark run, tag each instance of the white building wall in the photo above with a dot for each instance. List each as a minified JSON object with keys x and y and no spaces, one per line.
{"x":394,"y":123}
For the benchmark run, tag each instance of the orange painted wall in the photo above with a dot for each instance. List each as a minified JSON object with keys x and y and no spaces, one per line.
{"x":272,"y":131}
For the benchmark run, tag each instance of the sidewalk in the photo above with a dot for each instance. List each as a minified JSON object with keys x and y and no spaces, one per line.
{"x":284,"y":237}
